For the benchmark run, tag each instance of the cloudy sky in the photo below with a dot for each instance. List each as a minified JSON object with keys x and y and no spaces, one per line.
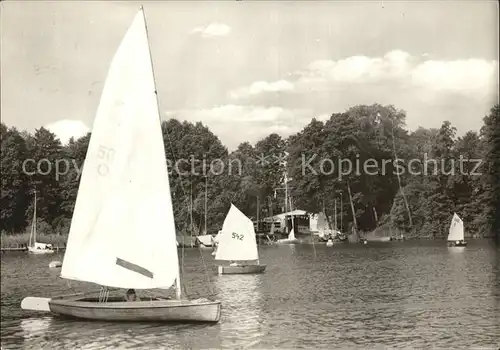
{"x":246,"y":69}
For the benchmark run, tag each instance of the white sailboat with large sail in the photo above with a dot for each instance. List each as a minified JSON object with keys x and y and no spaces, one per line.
{"x":35,"y":247}
{"x":237,"y":243}
{"x":456,"y":232}
{"x":122,"y":232}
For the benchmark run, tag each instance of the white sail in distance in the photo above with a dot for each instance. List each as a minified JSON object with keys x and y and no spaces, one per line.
{"x":237,"y":239}
{"x":456,"y":232}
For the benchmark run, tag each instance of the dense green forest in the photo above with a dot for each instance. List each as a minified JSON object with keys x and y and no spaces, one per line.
{"x":420,"y":203}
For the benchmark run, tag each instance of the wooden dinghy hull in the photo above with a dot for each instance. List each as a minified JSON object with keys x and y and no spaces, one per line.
{"x":241,"y":269}
{"x":288,"y":241}
{"x":379,"y":239}
{"x":457,"y":244}
{"x":159,"y":310}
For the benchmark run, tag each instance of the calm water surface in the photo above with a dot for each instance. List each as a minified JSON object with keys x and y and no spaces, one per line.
{"x":398,"y":294}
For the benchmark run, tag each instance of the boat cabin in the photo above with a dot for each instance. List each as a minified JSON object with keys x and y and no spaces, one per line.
{"x":303,"y":223}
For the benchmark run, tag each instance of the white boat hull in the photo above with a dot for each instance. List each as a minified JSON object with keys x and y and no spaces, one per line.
{"x":379,"y":239}
{"x":241,"y":269}
{"x":288,"y":241}
{"x":32,"y":250}
{"x":55,"y":264}
{"x":457,"y":243}
{"x":155,"y":310}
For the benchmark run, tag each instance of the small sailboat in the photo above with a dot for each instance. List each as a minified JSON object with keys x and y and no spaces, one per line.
{"x":323,"y":229}
{"x":456,"y":232}
{"x":290,"y":240}
{"x":122,"y":232}
{"x":238,"y":244}
{"x":35,"y":247}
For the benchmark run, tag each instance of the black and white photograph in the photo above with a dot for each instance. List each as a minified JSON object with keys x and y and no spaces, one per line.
{"x":250,"y":174}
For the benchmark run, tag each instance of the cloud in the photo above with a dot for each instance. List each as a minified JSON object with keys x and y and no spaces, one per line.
{"x":212,"y":30}
{"x":235,"y":124}
{"x":261,"y":87}
{"x":429,"y":89}
{"x":65,"y":129}
{"x":399,"y":67}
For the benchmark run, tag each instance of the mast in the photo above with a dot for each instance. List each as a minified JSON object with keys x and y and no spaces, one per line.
{"x":352,"y":208}
{"x":258,"y":209}
{"x":336,"y":214}
{"x":341,"y":212}
{"x":324,"y":213}
{"x":34,"y":222}
{"x":206,"y":200}
{"x":399,"y":178}
{"x":286,"y":192}
{"x":32,"y":240}
{"x":178,"y":289}
{"x":191,"y":208}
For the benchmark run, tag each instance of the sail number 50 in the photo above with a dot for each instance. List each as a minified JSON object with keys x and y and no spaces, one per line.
{"x":237,"y":236}
{"x":106,"y":155}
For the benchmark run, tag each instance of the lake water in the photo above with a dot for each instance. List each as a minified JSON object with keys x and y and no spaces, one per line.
{"x":397,"y":294}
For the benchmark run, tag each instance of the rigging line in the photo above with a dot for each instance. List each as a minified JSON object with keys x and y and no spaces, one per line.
{"x":203,"y":259}
{"x":166,"y":130}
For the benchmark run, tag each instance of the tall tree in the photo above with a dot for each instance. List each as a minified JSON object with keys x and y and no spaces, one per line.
{"x":44,"y":149}
{"x":13,"y":199}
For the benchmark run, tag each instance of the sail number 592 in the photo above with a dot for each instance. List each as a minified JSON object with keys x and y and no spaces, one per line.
{"x":237,"y":236}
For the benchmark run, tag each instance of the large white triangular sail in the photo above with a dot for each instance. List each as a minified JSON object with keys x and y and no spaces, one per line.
{"x":237,"y":239}
{"x":456,"y":232}
{"x":122,"y":231}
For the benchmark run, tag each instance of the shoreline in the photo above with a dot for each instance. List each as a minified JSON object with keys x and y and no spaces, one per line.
{"x":21,"y":240}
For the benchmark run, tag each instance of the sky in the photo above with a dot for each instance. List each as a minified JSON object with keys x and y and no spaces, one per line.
{"x":249,"y":68}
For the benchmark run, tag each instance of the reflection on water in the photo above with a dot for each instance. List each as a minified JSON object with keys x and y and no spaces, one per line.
{"x":242,"y":309}
{"x":395,"y":294}
{"x":34,"y":327}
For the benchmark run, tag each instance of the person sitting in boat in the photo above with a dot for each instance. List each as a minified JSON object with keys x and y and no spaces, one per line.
{"x":131,"y":296}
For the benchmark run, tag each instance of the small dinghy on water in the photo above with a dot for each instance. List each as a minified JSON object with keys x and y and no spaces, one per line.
{"x":290,"y":240}
{"x":456,"y":232}
{"x":55,"y":264}
{"x":122,"y":233}
{"x":237,"y":243}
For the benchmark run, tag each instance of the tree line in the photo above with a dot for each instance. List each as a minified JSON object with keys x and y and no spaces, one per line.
{"x":414,"y":183}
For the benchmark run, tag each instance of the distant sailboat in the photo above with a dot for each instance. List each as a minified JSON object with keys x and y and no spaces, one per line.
{"x":237,"y":243}
{"x":122,"y":232}
{"x":35,"y":247}
{"x":456,"y":232}
{"x":290,"y":240}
